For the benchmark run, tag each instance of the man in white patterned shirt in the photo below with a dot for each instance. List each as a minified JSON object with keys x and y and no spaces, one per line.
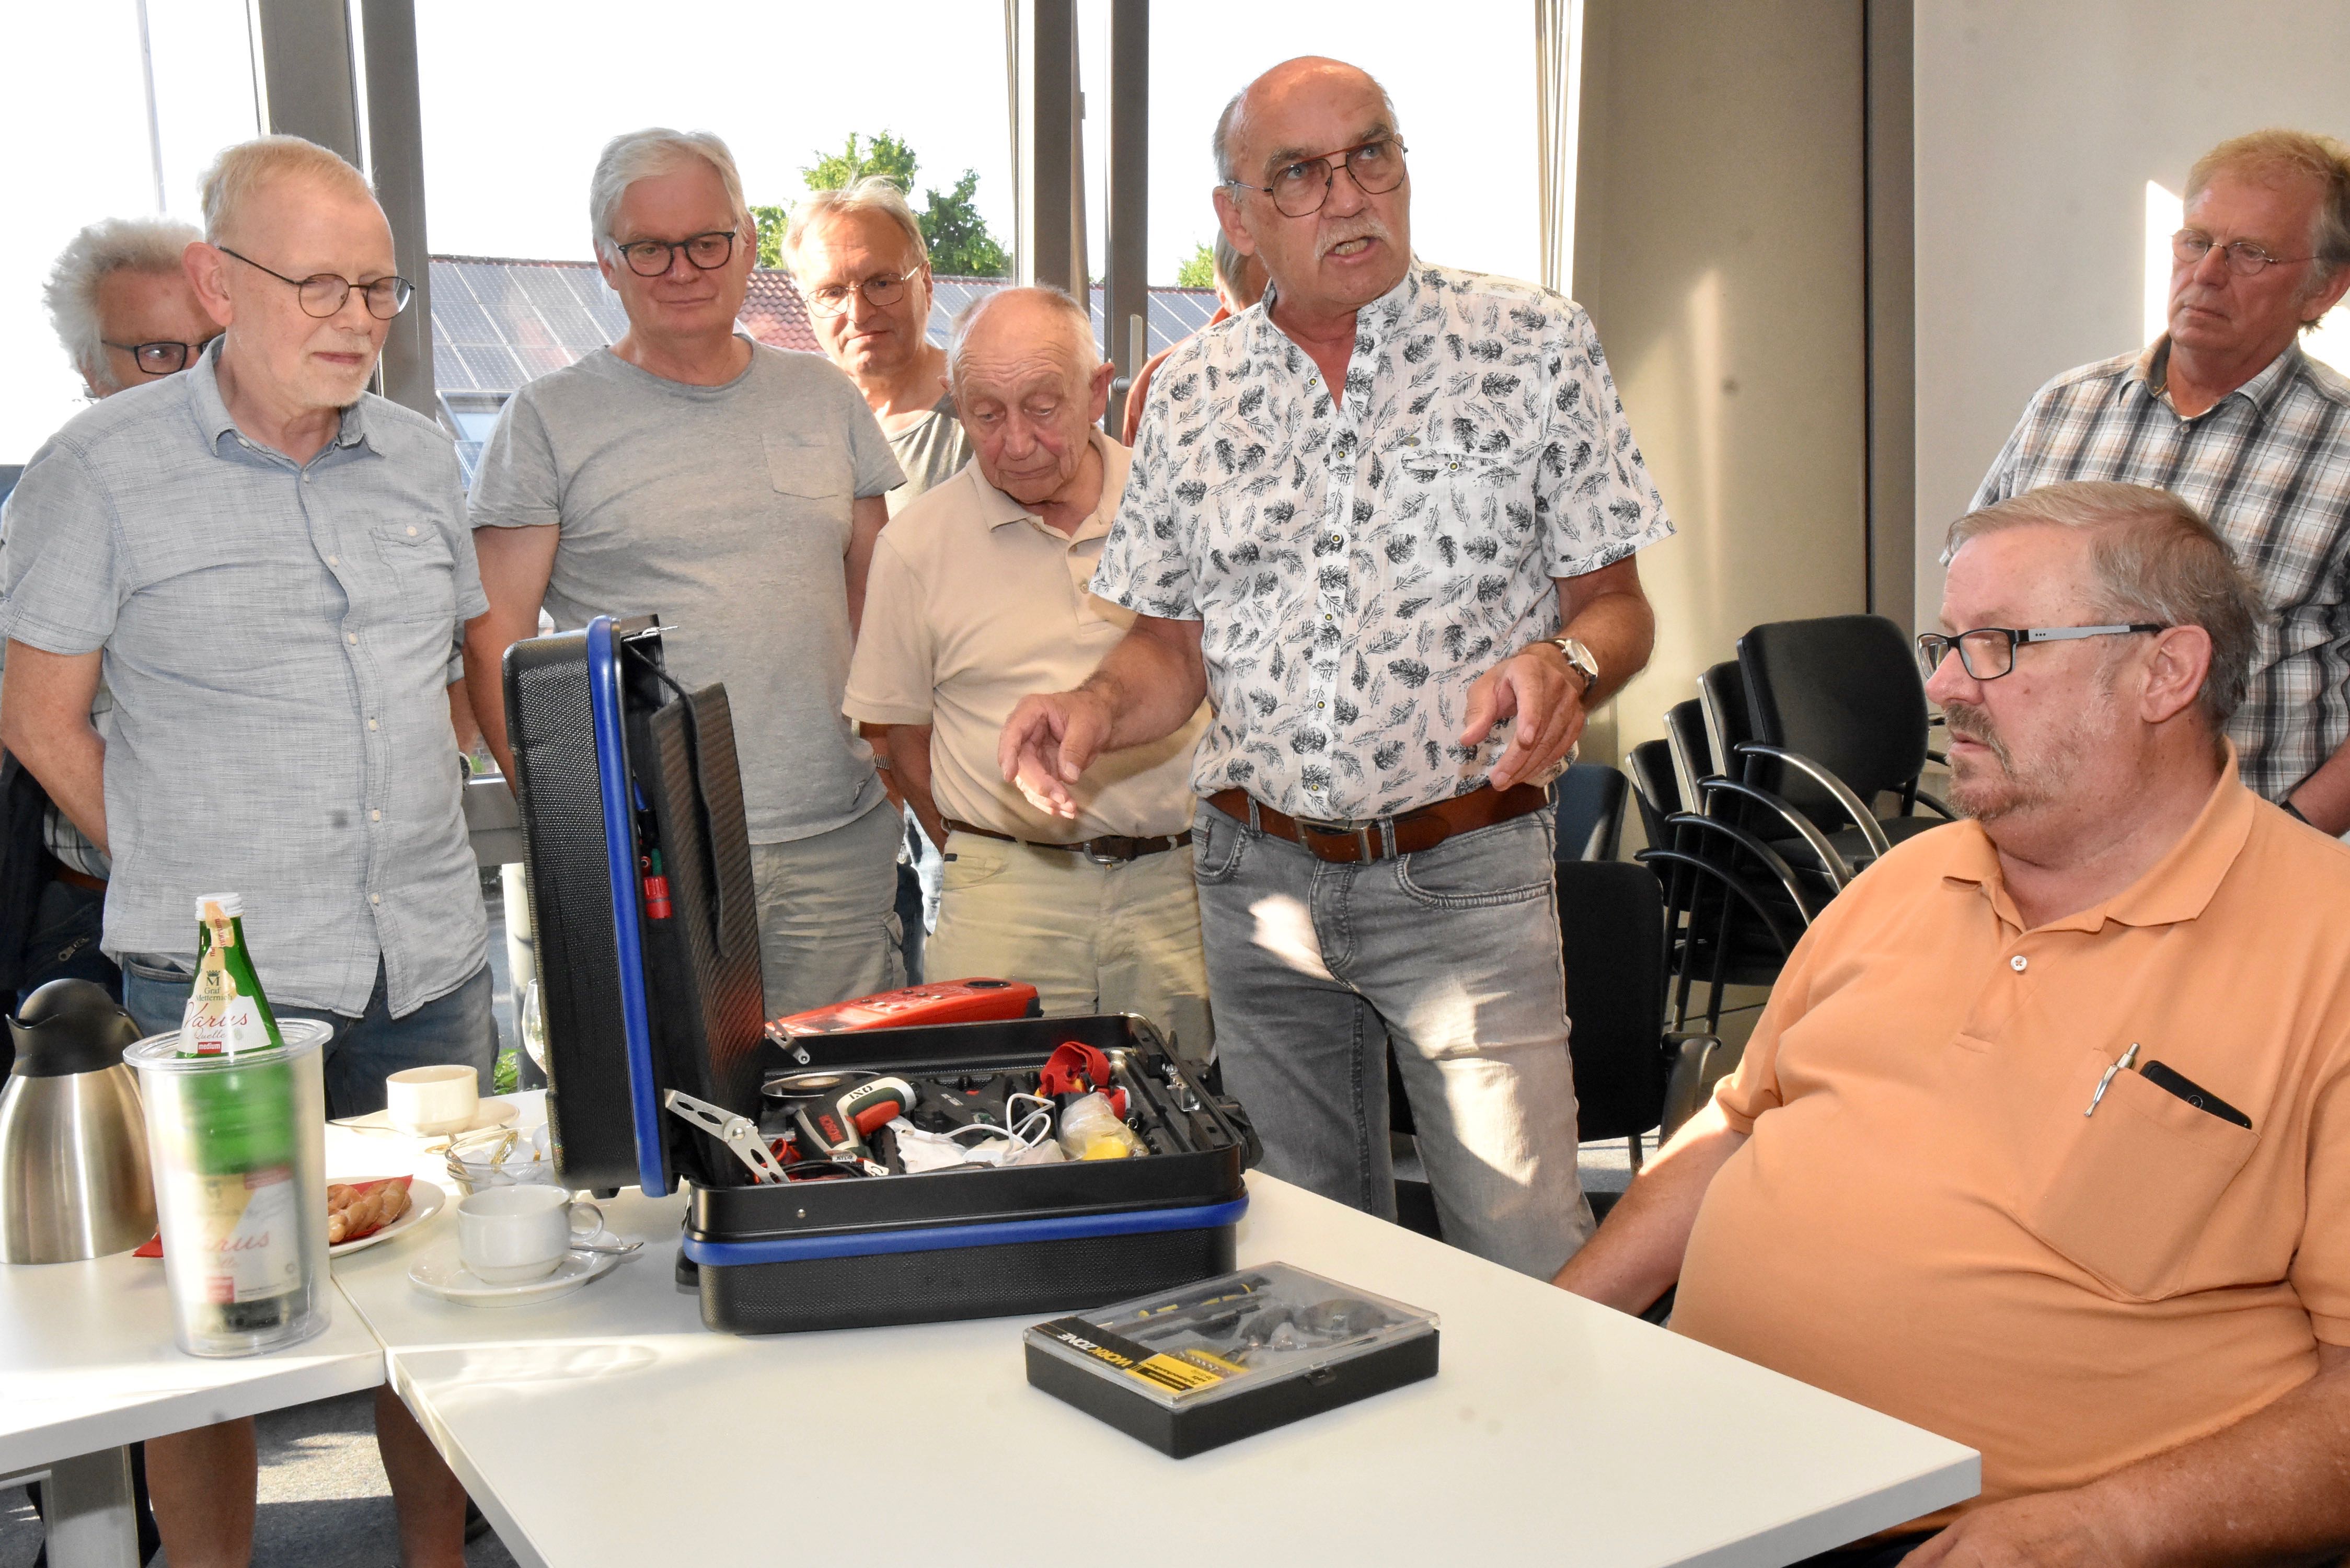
{"x":2227,"y":411}
{"x":1370,"y":586}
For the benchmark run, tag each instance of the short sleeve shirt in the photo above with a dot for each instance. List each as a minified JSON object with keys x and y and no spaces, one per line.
{"x":725,"y":511}
{"x":1925,"y":1220}
{"x":279,"y":638}
{"x":2269,"y":466}
{"x":932,"y":450}
{"x":974,"y":603}
{"x":1358,"y":560}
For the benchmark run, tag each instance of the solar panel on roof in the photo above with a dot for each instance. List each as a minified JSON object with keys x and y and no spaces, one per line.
{"x":494,"y":365}
{"x":559,"y":305}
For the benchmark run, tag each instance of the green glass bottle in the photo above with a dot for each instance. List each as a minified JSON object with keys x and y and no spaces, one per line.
{"x":240,"y":1131}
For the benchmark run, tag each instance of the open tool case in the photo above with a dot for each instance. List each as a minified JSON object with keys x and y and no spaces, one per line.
{"x":1191,"y":1369}
{"x":653,"y":985}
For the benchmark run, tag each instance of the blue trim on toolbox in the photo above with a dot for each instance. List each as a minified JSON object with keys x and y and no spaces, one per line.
{"x":937,"y":1239}
{"x":619,"y":852}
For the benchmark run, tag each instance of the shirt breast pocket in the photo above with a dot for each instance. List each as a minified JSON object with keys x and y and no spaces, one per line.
{"x":423,"y":569}
{"x":813,"y":468}
{"x":1461,"y":486}
{"x":2128,"y":1191}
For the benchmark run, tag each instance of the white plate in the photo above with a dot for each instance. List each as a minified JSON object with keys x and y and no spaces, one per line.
{"x":442,"y":1272}
{"x":424,"y":1200}
{"x":486,"y":1114}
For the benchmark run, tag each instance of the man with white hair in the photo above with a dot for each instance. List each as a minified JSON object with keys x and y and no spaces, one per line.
{"x":2044,"y":1140}
{"x":977,"y":594}
{"x":2225,"y":409}
{"x":734,"y":489}
{"x":126,"y":314}
{"x":271,"y":570}
{"x":864,"y":269}
{"x":1388,"y":519}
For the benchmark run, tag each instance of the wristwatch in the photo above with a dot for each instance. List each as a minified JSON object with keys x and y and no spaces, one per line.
{"x":1581,"y":658}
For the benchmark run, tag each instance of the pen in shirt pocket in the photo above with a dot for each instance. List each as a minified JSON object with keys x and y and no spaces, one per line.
{"x":2129,"y":1060}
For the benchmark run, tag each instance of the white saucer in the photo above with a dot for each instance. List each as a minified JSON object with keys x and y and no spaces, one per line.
{"x":486,"y":1114}
{"x":442,"y":1272}
{"x":424,"y":1200}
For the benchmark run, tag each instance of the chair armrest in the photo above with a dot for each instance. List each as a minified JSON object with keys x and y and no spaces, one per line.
{"x":1714,"y":871}
{"x":1852,"y":804}
{"x":1839,"y":870}
{"x":1687,"y":1057}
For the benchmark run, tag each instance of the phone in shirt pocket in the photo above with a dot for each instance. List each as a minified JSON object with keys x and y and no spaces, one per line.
{"x":2126,"y":1193}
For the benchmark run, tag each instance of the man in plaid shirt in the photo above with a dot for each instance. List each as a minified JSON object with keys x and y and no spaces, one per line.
{"x":2225,"y":410}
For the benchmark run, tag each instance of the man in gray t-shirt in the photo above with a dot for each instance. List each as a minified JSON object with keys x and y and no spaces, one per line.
{"x":735,"y":492}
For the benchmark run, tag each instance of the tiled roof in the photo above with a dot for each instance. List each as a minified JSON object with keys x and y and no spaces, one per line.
{"x":498,"y":322}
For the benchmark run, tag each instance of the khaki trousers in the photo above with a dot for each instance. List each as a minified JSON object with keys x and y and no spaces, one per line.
{"x":1090,"y":938}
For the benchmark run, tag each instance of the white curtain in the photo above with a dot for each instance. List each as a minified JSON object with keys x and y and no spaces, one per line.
{"x":1558,"y":97}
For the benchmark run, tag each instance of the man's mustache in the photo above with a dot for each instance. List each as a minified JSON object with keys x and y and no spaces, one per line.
{"x":1366,"y":229}
{"x":1966,"y":718}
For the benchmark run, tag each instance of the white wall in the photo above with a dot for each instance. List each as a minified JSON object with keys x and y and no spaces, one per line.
{"x":1719,"y":247}
{"x":2038,"y":126}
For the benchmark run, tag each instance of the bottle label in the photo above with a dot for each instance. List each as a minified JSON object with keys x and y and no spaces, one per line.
{"x":252,"y":1233}
{"x":218,"y":1021}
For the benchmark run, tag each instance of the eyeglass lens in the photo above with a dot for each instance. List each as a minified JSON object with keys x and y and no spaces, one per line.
{"x":880,"y":289}
{"x":1985,"y":654}
{"x":325,"y":295}
{"x":2244,"y":258}
{"x":651,"y":258}
{"x":161,"y":358}
{"x":1299,"y":189}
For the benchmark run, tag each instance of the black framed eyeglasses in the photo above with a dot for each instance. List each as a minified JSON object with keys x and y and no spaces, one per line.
{"x":159,"y":358}
{"x":1987,"y":652}
{"x":324,"y":294}
{"x":651,"y":258}
{"x":1299,"y":189}
{"x":881,"y":290}
{"x":2245,"y":259}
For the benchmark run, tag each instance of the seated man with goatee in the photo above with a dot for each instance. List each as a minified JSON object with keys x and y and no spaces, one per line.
{"x":2043,"y":1142}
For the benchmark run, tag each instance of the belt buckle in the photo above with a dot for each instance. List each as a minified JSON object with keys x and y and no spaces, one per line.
{"x":1095,"y":856}
{"x":1363,"y":832}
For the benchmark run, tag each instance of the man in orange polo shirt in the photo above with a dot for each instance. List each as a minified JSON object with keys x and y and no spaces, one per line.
{"x":2043,"y":1142}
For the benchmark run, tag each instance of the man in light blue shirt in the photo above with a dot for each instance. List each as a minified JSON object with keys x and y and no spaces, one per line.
{"x":271,"y":570}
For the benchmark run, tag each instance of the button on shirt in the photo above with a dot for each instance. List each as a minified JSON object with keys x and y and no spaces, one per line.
{"x":1924,"y":1220}
{"x":2269,"y":466}
{"x":279,"y":641}
{"x":972,"y":603}
{"x":1358,"y":561}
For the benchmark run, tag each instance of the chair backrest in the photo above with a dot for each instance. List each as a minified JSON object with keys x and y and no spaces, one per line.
{"x":1721,"y":698}
{"x":1650,"y":765}
{"x":1590,"y":807}
{"x":1693,"y":757}
{"x":1611,"y":918}
{"x":1844,"y":691}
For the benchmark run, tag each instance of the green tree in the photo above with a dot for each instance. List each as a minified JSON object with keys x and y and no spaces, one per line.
{"x":885,"y":155}
{"x":771,"y":221}
{"x":960,"y":244}
{"x":1198,"y":269}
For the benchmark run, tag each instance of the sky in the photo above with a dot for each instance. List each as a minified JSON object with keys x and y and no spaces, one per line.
{"x":518,"y":96}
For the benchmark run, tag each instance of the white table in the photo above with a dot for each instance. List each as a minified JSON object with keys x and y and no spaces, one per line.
{"x":87,"y":1368}
{"x":609,"y":1427}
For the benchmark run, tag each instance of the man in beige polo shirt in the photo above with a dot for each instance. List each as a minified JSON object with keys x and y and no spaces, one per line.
{"x":977,"y":594}
{"x":2043,"y":1142}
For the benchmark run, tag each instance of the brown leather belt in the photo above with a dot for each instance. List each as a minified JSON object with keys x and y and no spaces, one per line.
{"x":1110,"y":849}
{"x":82,"y":879}
{"x":1379,"y":837}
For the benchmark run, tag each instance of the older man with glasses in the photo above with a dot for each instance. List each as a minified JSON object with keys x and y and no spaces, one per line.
{"x":1388,"y":521}
{"x":271,"y":570}
{"x":2040,"y":1142}
{"x":735,"y":491}
{"x":126,"y":315}
{"x":2225,"y":409}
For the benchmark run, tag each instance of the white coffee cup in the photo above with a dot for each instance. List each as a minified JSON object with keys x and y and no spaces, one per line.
{"x":429,"y":1101}
{"x":511,"y":1235}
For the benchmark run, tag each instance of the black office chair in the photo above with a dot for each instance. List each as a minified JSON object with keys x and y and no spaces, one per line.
{"x":1839,"y":719}
{"x":1737,"y":791}
{"x":1655,"y":789}
{"x":1631,"y":1076}
{"x":1589,"y":801}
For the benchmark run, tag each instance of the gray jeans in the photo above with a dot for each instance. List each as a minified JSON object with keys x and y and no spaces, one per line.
{"x":827,"y":913}
{"x":1452,"y":957}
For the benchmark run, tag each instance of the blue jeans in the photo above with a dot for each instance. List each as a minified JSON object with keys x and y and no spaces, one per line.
{"x":364,"y":1051}
{"x":1451,"y":956}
